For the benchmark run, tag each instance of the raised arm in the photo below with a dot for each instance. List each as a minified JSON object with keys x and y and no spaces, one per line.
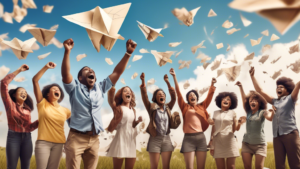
{"x":270,"y":114}
{"x":181,"y":102}
{"x":210,"y":94}
{"x":144,"y":93}
{"x":295,"y":92}
{"x":66,"y":67}
{"x":258,"y":88}
{"x":6,"y":81}
{"x":239,"y":84}
{"x":171,"y":91}
{"x":119,"y":69}
{"x":111,"y":96}
{"x":35,"y":80}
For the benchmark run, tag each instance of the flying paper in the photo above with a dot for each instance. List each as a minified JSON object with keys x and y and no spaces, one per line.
{"x":43,"y":36}
{"x":227,"y":24}
{"x":274,"y":37}
{"x":246,"y":35}
{"x":216,"y":64}
{"x":102,"y":25}
{"x":250,"y":56}
{"x":266,"y":32}
{"x":274,"y":61}
{"x":136,"y":57}
{"x":205,"y":65}
{"x":20,"y":49}
{"x":174,"y":44}
{"x":255,"y":42}
{"x":184,"y":64}
{"x":162,"y":57}
{"x":263,"y":59}
{"x":219,"y":46}
{"x":203,"y":57}
{"x":134,"y":75}
{"x":294,"y":49}
{"x":232,"y":73}
{"x":200,"y":45}
{"x":231,"y":31}
{"x":55,"y":42}
{"x":47,"y":8}
{"x":185,"y":16}
{"x":177,"y":54}
{"x":24,"y":28}
{"x":123,"y":81}
{"x":228,"y":48}
{"x":265,"y":48}
{"x":150,"y":33}
{"x":19,"y":79}
{"x":143,"y":50}
{"x":150,"y":82}
{"x":81,"y":56}
{"x":108,"y":61}
{"x":40,"y":57}
{"x":211,"y":13}
{"x":276,"y":74}
{"x":186,"y":84}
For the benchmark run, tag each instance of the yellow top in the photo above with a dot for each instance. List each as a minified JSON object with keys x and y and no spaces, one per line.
{"x":51,"y":122}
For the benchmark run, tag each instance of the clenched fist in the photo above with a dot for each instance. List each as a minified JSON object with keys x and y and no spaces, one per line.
{"x":130,"y":46}
{"x":68,"y":44}
{"x":51,"y":65}
{"x":23,"y":68}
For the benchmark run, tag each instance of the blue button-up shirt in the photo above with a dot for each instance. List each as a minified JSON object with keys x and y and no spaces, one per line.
{"x":284,"y":121}
{"x":161,"y":121}
{"x":86,"y":105}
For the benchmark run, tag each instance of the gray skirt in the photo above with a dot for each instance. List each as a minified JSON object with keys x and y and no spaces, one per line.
{"x":160,"y":144}
{"x":193,"y":142}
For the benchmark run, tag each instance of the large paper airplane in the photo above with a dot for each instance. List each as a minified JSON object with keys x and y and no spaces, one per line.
{"x":162,"y":57}
{"x":20,"y":49}
{"x":150,"y":33}
{"x":102,"y":25}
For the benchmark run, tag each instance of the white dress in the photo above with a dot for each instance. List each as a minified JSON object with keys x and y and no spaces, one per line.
{"x":124,"y":142}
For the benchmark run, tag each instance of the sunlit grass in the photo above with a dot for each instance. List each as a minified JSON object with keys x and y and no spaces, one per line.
{"x":177,"y":161}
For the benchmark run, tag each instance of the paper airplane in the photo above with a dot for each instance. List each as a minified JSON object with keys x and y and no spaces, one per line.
{"x":162,"y":57}
{"x":136,"y":57}
{"x":108,"y":61}
{"x":184,"y":64}
{"x":200,"y":45}
{"x":28,"y":4}
{"x":283,"y":14}
{"x":274,"y":37}
{"x":231,"y":31}
{"x":102,"y":25}
{"x":245,"y":21}
{"x":211,"y":13}
{"x":246,"y":35}
{"x":150,"y":33}
{"x":81,"y":56}
{"x":219,"y":46}
{"x":177,"y":54}
{"x":185,"y":16}
{"x":20,"y":49}
{"x":43,"y":36}
{"x":174,"y":44}
{"x":54,"y":27}
{"x":134,"y":75}
{"x":255,"y":42}
{"x":186,"y":84}
{"x":203,"y":57}
{"x":55,"y":42}
{"x":40,"y":57}
{"x":265,"y":32}
{"x":47,"y":8}
{"x":227,"y":24}
{"x":143,"y":50}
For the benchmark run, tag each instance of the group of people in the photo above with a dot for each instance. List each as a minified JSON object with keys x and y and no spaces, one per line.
{"x":85,"y":121}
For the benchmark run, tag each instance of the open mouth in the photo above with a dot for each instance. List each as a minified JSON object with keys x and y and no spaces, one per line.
{"x":128,"y":97}
{"x":56,"y":94}
{"x":23,"y":96}
{"x":253,"y":105}
{"x":226,"y":103}
{"x":193,"y":99}
{"x":279,"y":93}
{"x":91,"y":76}
{"x":161,"y":99}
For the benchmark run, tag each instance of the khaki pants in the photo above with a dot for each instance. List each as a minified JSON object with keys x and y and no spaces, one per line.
{"x":47,"y":154}
{"x":80,"y":145}
{"x":289,"y":145}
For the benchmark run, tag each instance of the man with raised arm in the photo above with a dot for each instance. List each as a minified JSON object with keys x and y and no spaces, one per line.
{"x":86,"y":98}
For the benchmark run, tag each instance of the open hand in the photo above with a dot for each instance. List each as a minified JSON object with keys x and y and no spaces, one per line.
{"x":51,"y":65}
{"x":68,"y":44}
{"x":24,"y":67}
{"x":130,"y":46}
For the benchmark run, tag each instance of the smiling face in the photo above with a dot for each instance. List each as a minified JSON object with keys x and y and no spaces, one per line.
{"x":226,"y":103}
{"x":192,"y":98}
{"x":160,"y":97}
{"x":281,"y":91}
{"x":54,"y":94}
{"x":254,"y":104}
{"x":126,"y":95}
{"x":20,"y":95}
{"x":87,"y":77}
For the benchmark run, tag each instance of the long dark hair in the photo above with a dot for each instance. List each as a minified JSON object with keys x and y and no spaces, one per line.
{"x":47,"y":88}
{"x":28,"y":103}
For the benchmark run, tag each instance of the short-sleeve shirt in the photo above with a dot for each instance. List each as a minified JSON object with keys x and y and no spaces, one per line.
{"x":223,"y":121}
{"x":255,"y":133}
{"x":51,"y":122}
{"x":284,"y":121}
{"x":86,"y":105}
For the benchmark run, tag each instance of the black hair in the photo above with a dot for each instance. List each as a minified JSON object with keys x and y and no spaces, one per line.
{"x":28,"y":103}
{"x":155,"y":93}
{"x":195,"y":92}
{"x":288,"y":84}
{"x":260,"y":99}
{"x":47,"y":88}
{"x":80,"y":72}
{"x":233,"y":98}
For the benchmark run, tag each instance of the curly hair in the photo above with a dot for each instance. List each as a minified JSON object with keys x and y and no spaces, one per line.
{"x":187,"y":95}
{"x":119,"y":100}
{"x":28,"y":103}
{"x":155,"y":93}
{"x":222,"y":95}
{"x":288,"y":84}
{"x":260,"y":99}
{"x":47,"y":88}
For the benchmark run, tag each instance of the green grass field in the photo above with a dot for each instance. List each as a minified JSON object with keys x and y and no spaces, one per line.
{"x":177,"y":161}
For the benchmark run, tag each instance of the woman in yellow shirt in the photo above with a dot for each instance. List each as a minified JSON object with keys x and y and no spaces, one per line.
{"x":52,"y":117}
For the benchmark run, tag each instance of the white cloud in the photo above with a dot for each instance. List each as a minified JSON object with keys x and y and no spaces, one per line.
{"x":152,"y":88}
{"x":3,"y":71}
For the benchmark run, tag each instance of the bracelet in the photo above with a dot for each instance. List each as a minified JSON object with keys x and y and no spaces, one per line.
{"x":128,"y":53}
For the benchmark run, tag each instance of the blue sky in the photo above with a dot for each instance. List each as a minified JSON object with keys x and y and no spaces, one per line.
{"x":154,"y":13}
